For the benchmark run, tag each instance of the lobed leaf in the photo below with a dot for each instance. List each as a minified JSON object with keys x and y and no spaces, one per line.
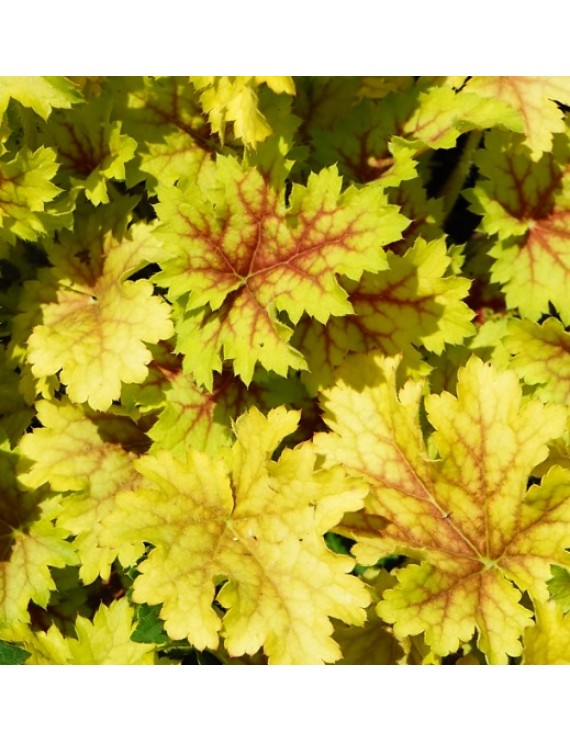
{"x":95,"y":329}
{"x":526,"y":204}
{"x":242,"y":256}
{"x":254,"y":526}
{"x":102,"y":641}
{"x":481,"y":538}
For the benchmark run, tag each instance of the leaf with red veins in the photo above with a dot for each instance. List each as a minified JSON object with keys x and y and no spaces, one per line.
{"x":94,"y":332}
{"x":91,"y":146}
{"x":199,"y":419}
{"x":442,"y":115}
{"x":148,"y":396}
{"x":542,"y":356}
{"x":194,"y":418}
{"x":534,"y":100}
{"x":71,"y":454}
{"x":527,"y":205}
{"x":426,"y":214}
{"x":165,"y":117}
{"x":362,"y":141}
{"x":481,"y":537}
{"x":411,"y":304}
{"x":236,"y":248}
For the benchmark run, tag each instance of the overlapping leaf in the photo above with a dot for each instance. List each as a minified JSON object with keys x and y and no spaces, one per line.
{"x":164,"y":116}
{"x":255,"y":526}
{"x":26,"y":186}
{"x":467,"y":517}
{"x":104,"y":640}
{"x":70,"y":453}
{"x":548,"y":642}
{"x":43,"y":94}
{"x":542,"y":356}
{"x":235,"y":99}
{"x":196,"y":418}
{"x":526,"y":205}
{"x":442,"y":114}
{"x":95,"y":330}
{"x":243,"y":256}
{"x":371,"y":139}
{"x":29,"y":544}
{"x":411,"y":304}
{"x":534,"y":99}
{"x":91,"y":148}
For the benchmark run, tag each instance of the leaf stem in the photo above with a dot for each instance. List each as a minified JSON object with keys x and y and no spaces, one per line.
{"x":451,"y":191}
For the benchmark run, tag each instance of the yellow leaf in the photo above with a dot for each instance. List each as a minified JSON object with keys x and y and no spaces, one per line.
{"x":480,"y":537}
{"x":534,"y":99}
{"x":70,"y":454}
{"x":235,"y":99}
{"x":29,"y":544}
{"x":95,"y":330}
{"x":254,"y":527}
{"x":104,"y":640}
{"x":548,"y":642}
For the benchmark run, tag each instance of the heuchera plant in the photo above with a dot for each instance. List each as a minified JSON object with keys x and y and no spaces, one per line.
{"x":285,"y":370}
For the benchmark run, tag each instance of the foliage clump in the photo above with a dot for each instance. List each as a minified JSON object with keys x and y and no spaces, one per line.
{"x":285,"y":370}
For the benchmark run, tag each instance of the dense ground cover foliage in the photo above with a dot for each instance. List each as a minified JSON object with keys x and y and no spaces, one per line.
{"x":285,"y":370}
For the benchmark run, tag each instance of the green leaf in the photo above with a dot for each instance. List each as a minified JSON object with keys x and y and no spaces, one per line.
{"x":43,"y":94}
{"x":25,"y":188}
{"x":559,"y":587}
{"x":11,"y":654}
{"x":150,"y":628}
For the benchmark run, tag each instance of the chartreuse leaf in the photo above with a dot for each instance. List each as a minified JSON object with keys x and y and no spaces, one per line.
{"x":104,"y":640}
{"x":242,"y":256}
{"x":383,"y":138}
{"x":254,"y":525}
{"x":94,"y":332}
{"x":235,"y":99}
{"x":362,"y":141}
{"x":43,"y":94}
{"x":25,"y":188}
{"x":164,"y":116}
{"x":374,"y":642}
{"x":29,"y":544}
{"x":480,"y":537}
{"x":559,"y":587}
{"x":412,"y":303}
{"x":548,"y":642}
{"x":70,"y":453}
{"x":527,"y":205}
{"x":534,"y":99}
{"x":91,"y":147}
{"x":542,"y":356}
{"x":192,"y":417}
{"x":442,"y":114}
